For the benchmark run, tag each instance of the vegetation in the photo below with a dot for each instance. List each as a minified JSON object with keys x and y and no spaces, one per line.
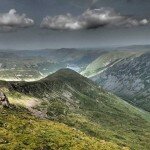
{"x":70,"y":98}
{"x":33,"y":65}
{"x":129,"y":79}
{"x":19,"y":130}
{"x":107,"y":60}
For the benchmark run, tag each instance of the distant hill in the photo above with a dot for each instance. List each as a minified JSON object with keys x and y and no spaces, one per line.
{"x":129,"y":79}
{"x":70,"y":98}
{"x":107,"y":60}
{"x":135,"y":48}
{"x":33,"y":65}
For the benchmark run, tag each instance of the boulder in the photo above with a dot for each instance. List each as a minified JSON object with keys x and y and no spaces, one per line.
{"x":4,"y":100}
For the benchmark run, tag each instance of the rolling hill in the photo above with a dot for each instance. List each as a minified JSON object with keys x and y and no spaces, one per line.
{"x":70,"y":98}
{"x":107,"y":60}
{"x":31,"y":65}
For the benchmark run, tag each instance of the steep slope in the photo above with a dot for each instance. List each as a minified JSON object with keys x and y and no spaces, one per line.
{"x":19,"y":130}
{"x":107,"y":60}
{"x":129,"y":79}
{"x":70,"y":98}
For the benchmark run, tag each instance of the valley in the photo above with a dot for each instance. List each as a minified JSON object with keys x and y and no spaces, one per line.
{"x":36,"y":64}
{"x":128,"y":78}
{"x":124,"y":72}
{"x":71,"y":89}
{"x":74,"y":74}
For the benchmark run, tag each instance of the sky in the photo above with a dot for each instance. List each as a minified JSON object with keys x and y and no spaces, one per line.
{"x":40,"y":24}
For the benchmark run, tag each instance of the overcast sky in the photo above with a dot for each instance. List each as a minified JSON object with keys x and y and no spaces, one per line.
{"x":39,"y":24}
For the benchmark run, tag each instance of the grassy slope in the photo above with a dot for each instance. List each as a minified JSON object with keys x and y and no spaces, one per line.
{"x":106,"y":60}
{"x":74,"y":100}
{"x":19,"y":130}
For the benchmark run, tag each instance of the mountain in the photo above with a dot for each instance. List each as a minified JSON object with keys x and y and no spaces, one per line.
{"x":145,"y":48}
{"x":107,"y":60}
{"x":129,"y":79}
{"x":70,"y":98}
{"x":30,"y":65}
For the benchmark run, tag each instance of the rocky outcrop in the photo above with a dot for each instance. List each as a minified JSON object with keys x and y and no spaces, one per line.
{"x":4,"y":100}
{"x":129,"y":79}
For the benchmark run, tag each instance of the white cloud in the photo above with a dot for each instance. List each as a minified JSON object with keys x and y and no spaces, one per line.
{"x":12,"y":20}
{"x":144,"y":22}
{"x":61,"y":22}
{"x":91,"y":19}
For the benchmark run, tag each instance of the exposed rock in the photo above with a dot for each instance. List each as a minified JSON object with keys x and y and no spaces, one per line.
{"x":129,"y":79}
{"x":4,"y":100}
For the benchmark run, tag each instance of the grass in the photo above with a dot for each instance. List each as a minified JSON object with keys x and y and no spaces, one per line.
{"x":19,"y":130}
{"x":69,"y":98}
{"x":107,"y":60}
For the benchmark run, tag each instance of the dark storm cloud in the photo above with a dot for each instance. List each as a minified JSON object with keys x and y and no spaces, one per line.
{"x":35,"y":37}
{"x":93,"y":4}
{"x":91,"y":19}
{"x":13,"y":20}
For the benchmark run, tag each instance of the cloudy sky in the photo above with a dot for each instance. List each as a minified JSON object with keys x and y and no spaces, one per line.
{"x":39,"y":24}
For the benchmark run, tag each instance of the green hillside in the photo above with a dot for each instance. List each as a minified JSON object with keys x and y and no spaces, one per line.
{"x":107,"y":60}
{"x":70,"y":98}
{"x":19,"y":130}
{"x":129,"y":79}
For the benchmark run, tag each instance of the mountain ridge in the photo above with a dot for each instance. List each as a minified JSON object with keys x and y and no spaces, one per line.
{"x":70,"y":98}
{"x":128,"y":79}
